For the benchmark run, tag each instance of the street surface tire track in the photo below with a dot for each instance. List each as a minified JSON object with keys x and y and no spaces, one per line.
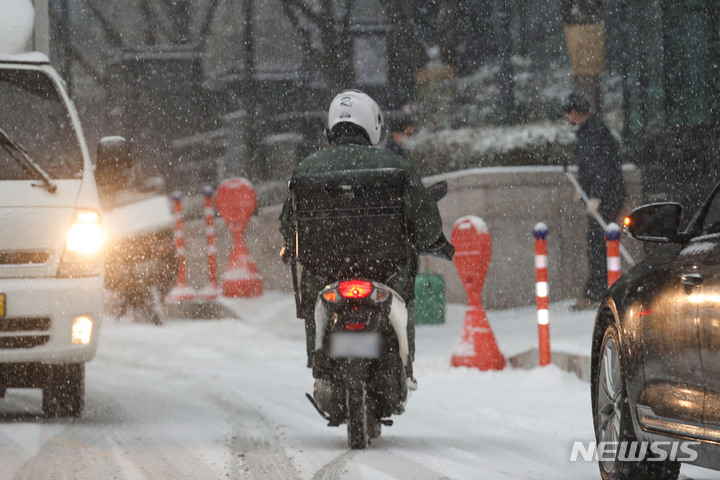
{"x":256,"y":452}
{"x":334,"y":469}
{"x":390,"y":464}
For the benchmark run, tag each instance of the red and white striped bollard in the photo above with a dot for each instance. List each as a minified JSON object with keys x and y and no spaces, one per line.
{"x":612,"y":243}
{"x":541,"y":293}
{"x":212,"y":290}
{"x":181,"y":292}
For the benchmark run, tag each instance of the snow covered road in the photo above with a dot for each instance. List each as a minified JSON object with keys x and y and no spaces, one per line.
{"x":224,"y":399}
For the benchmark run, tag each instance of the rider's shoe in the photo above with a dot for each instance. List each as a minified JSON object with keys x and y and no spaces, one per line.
{"x":412,"y":384}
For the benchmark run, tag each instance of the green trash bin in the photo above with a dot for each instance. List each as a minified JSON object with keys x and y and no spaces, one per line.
{"x":429,"y":299}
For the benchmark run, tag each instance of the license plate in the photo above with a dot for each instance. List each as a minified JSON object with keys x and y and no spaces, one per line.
{"x":2,"y":304}
{"x":357,"y":345}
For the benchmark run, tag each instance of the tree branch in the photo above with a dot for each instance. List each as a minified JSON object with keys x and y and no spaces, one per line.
{"x":76,"y":54}
{"x":406,"y":33}
{"x":151,"y":14}
{"x":305,"y":34}
{"x":304,"y":9}
{"x":207,"y":21}
{"x":333,"y":55}
{"x":113,"y":36}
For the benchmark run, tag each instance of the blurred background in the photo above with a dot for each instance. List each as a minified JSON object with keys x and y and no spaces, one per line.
{"x":206,"y":89}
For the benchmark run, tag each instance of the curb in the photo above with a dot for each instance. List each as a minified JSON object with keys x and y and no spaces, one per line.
{"x":570,"y":362}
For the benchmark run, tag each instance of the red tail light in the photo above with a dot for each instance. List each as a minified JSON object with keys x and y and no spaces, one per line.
{"x":355,"y":289}
{"x":354,"y":326}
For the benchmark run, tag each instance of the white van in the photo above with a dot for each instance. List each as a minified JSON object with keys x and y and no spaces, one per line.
{"x":51,"y":265}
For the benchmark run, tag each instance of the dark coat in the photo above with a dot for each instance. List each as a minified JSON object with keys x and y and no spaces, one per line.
{"x":599,"y":172}
{"x":354,"y":153}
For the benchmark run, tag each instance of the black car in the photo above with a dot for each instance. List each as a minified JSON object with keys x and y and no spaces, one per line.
{"x":656,"y":350}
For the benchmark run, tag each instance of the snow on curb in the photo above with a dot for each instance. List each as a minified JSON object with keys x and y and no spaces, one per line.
{"x":570,"y":362}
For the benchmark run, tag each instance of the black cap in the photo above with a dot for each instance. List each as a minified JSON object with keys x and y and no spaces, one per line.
{"x":578,"y":102}
{"x":398,"y":124}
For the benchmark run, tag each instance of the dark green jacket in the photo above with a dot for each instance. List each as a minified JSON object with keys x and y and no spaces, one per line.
{"x":355,"y":153}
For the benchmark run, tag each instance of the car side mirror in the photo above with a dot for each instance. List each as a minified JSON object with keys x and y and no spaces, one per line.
{"x":114,"y":165}
{"x":656,"y":222}
{"x":438,"y":190}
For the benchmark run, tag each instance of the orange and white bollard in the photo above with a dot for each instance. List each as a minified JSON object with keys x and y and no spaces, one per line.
{"x":541,"y":293}
{"x":612,"y":242}
{"x":212,"y":290}
{"x":476,"y":346}
{"x":236,"y":203}
{"x":181,"y":292}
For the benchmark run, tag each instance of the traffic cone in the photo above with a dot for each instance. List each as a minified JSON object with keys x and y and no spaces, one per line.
{"x":476,"y":346}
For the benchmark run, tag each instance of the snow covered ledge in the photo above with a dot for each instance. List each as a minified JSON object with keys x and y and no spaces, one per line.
{"x":511,"y":200}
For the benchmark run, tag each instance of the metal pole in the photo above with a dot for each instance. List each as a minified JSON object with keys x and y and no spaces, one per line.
{"x":41,"y":35}
{"x":250,"y":100}
{"x":626,"y":255}
{"x":506,"y":74}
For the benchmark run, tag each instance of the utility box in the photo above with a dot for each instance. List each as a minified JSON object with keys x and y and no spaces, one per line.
{"x":429,"y":299}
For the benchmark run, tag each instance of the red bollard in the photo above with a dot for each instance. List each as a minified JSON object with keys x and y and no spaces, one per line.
{"x":236,"y":202}
{"x":612,"y":243}
{"x":181,"y":292}
{"x":476,"y":346}
{"x":541,"y":293}
{"x":212,"y":290}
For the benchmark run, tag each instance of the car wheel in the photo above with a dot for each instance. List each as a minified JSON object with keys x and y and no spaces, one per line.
{"x":613,"y":422}
{"x":64,"y":391}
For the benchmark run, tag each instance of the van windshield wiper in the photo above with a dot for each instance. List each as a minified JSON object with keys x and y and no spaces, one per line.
{"x":25,"y":161}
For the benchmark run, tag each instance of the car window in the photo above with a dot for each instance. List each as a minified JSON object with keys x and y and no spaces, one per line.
{"x":711,"y":222}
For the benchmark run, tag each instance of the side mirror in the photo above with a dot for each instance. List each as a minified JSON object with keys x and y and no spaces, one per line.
{"x":656,"y":222}
{"x":438,"y":190}
{"x":112,"y":171}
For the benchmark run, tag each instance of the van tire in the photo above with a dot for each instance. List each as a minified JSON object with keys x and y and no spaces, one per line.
{"x":64,"y":391}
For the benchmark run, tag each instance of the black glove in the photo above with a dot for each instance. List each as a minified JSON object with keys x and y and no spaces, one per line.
{"x":441,"y":249}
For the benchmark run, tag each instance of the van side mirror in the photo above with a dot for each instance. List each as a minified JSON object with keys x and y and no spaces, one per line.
{"x":114,"y":165}
{"x":656,"y":222}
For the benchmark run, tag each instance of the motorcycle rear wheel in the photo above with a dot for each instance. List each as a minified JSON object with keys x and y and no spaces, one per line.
{"x":357,"y":416}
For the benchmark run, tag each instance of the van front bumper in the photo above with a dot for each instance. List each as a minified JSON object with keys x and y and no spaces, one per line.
{"x":37,"y":317}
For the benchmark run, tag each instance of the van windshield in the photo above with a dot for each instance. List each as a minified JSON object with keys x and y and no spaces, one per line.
{"x":33,"y":114}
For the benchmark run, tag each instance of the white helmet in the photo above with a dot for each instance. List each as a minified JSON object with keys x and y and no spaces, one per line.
{"x":356,"y":107}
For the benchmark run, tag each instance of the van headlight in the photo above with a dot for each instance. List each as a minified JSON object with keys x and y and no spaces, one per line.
{"x":83,"y":246}
{"x":82,"y":330}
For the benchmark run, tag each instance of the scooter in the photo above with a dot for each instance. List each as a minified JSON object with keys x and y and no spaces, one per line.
{"x":140,"y":256}
{"x":361,"y":362}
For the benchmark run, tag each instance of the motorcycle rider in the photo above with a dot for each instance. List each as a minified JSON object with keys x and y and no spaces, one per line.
{"x":354,"y":127}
